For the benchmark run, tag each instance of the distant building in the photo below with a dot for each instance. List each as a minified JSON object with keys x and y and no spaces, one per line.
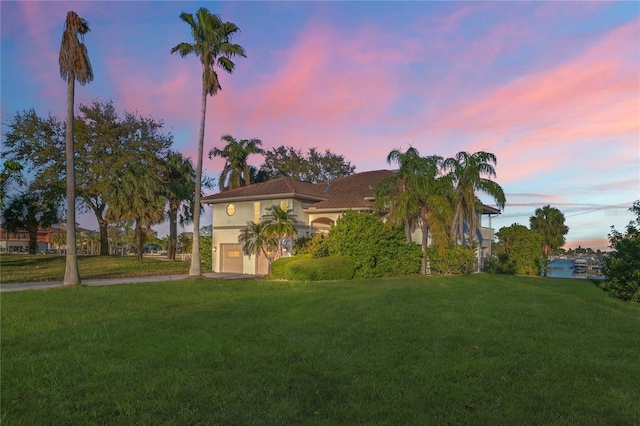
{"x":316,"y":205}
{"x":18,"y":242}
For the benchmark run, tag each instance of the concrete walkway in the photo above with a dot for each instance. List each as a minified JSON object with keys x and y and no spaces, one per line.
{"x":117,"y":281}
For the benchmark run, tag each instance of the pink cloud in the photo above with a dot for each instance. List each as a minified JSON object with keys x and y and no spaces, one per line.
{"x":325,"y":89}
{"x":590,"y":97}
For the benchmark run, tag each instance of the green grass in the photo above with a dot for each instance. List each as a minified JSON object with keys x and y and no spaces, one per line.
{"x":20,"y":268}
{"x":479,"y":350}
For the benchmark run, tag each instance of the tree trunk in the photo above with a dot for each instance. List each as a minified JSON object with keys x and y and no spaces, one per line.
{"x":138,"y":241}
{"x":173,"y":233}
{"x":103,"y":225}
{"x":407,"y":230}
{"x":71,"y":272}
{"x":425,"y":267}
{"x":33,"y":241}
{"x":195,"y":270}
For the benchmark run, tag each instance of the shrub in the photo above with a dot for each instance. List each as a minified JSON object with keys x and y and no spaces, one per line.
{"x":622,"y":267}
{"x":278,"y":266}
{"x":205,"y":252}
{"x":501,"y":265}
{"x":315,"y":245}
{"x":521,"y":250}
{"x":455,"y":260}
{"x":320,"y":269}
{"x":375,"y":249}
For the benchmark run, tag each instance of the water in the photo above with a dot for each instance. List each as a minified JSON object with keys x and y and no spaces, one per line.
{"x":564,"y":269}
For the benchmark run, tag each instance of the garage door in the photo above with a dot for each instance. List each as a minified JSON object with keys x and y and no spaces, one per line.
{"x":231,"y":260}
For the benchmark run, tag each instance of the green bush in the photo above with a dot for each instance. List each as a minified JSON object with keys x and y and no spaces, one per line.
{"x":622,"y":267}
{"x":519,"y":250}
{"x":375,"y":249}
{"x":205,"y":253}
{"x":320,"y":269}
{"x":455,"y":260}
{"x":315,"y":245}
{"x":501,"y":265}
{"x":278,"y":266}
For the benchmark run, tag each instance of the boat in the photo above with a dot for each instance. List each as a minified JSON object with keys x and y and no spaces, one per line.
{"x":580,"y":265}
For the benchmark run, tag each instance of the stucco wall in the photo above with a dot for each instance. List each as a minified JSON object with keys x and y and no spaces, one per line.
{"x":226,"y":228}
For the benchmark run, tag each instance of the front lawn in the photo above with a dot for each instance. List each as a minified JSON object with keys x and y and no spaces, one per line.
{"x":20,"y":268}
{"x":478,"y":349}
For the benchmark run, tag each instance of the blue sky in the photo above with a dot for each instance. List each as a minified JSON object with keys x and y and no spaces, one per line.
{"x":551,"y":88}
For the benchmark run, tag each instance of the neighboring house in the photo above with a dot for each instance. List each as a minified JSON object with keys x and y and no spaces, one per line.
{"x":316,"y":205}
{"x":18,"y":242}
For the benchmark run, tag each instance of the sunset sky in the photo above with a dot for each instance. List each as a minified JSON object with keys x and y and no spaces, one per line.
{"x":551,"y":88}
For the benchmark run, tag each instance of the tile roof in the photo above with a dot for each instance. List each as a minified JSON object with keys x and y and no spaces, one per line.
{"x":354,"y":191}
{"x":349,"y":192}
{"x":280,"y":186}
{"x":342,"y":193}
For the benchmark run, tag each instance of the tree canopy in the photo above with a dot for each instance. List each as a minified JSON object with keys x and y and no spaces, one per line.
{"x":519,"y":251}
{"x":105,"y":142}
{"x":622,"y":266}
{"x":312,"y":166}
{"x":416,"y":196}
{"x":471,"y":173}
{"x":549,"y":223}
{"x":31,"y":210}
{"x":236,"y":171}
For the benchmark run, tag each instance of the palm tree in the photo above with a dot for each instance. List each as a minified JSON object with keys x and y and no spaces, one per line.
{"x":136,"y":197}
{"x":467,"y":171}
{"x":212,"y":44}
{"x":397,"y":197}
{"x":549,"y":222}
{"x":180,"y":177}
{"x":416,"y":196}
{"x":254,"y":239}
{"x":74,"y":65}
{"x":236,"y":171}
{"x":280,"y":224}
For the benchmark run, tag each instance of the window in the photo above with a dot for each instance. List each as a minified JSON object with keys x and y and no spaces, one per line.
{"x":256,"y":211}
{"x":284,"y":205}
{"x":231,"y":209}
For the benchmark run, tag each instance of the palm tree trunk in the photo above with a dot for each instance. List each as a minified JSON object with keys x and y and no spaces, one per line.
{"x":195,"y":270}
{"x":425,"y":267}
{"x":71,"y":272}
{"x":407,"y":230}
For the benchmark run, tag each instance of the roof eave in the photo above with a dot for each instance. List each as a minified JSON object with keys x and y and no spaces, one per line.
{"x":259,"y":197}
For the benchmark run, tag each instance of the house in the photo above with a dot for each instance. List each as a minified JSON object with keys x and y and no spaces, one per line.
{"x":18,"y":242}
{"x":316,"y":205}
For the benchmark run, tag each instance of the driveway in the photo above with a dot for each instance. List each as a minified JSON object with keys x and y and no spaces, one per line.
{"x":117,"y":281}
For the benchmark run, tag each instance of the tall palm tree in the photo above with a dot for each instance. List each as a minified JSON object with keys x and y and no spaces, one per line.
{"x":467,"y":171}
{"x":136,"y":197}
{"x":74,"y":65}
{"x":212,"y":44}
{"x":180,"y":177}
{"x":416,"y":196}
{"x":281,"y":224}
{"x":236,"y":171}
{"x":549,"y":222}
